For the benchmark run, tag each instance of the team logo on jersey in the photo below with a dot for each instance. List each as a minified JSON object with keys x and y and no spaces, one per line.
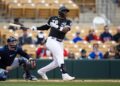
{"x":12,"y":55}
{"x":55,"y":21}
{"x":63,"y":24}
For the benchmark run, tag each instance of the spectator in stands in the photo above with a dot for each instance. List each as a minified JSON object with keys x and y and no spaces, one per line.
{"x":43,"y":53}
{"x":91,"y":36}
{"x":40,"y":38}
{"x":106,"y":35}
{"x":117,"y":2}
{"x":96,"y":53}
{"x":66,"y":39}
{"x":100,"y":19}
{"x":110,"y":54}
{"x":66,"y":52}
{"x":117,"y":35}
{"x":83,"y":54}
{"x":118,"y":50}
{"x":71,"y":56}
{"x":77,"y":37}
{"x":16,"y":25}
{"x":25,"y":38}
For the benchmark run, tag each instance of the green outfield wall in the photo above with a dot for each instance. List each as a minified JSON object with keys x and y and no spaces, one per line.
{"x":81,"y":69}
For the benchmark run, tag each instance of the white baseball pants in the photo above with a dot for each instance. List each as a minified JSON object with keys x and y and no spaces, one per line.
{"x":56,"y":48}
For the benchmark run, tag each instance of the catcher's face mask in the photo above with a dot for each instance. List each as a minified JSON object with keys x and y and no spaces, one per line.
{"x":12,"y":43}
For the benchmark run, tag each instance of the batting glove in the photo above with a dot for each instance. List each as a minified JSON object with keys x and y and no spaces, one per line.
{"x":33,"y":28}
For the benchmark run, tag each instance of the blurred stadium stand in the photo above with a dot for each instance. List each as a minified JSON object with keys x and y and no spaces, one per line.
{"x":36,"y":12}
{"x":81,"y":10}
{"x":5,"y":33}
{"x":37,"y":8}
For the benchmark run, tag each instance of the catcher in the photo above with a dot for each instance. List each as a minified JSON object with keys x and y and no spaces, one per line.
{"x":8,"y":60}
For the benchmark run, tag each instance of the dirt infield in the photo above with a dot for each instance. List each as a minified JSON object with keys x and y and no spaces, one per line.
{"x":13,"y":80}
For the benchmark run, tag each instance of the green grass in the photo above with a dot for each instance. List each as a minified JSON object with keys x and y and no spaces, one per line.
{"x":70,"y":83}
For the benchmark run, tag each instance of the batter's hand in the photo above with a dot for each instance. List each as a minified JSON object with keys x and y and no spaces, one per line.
{"x":65,"y":29}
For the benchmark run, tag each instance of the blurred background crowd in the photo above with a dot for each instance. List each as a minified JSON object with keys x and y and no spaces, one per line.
{"x":94,"y":35}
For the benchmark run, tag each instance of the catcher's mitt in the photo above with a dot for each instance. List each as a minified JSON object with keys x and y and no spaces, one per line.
{"x":3,"y":75}
{"x":32,"y":63}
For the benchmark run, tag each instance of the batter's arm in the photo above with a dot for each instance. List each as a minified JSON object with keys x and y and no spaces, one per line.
{"x":43,"y":27}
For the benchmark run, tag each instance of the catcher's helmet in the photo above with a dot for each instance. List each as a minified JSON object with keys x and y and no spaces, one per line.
{"x":62,"y":11}
{"x":11,"y":39}
{"x":12,"y":42}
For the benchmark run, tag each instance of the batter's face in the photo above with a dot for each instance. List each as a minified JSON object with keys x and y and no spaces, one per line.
{"x":106,"y":29}
{"x":64,"y":14}
{"x":12,"y":45}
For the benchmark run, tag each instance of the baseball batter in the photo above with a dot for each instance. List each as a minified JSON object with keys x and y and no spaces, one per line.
{"x":59,"y":25}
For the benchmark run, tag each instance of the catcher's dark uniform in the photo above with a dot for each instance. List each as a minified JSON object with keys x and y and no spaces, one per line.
{"x":7,"y":57}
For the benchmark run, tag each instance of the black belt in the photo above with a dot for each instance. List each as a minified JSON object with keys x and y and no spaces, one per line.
{"x":60,"y":40}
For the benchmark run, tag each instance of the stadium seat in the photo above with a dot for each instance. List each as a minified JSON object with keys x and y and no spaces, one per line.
{"x":30,"y":49}
{"x":74,"y":10}
{"x":91,"y":4}
{"x":43,"y":10}
{"x":2,"y":5}
{"x":15,"y":10}
{"x":29,"y":10}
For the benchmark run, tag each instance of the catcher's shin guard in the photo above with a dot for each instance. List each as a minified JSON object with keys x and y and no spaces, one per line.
{"x":3,"y":75}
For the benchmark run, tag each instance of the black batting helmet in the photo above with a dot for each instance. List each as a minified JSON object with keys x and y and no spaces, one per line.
{"x":62,"y":11}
